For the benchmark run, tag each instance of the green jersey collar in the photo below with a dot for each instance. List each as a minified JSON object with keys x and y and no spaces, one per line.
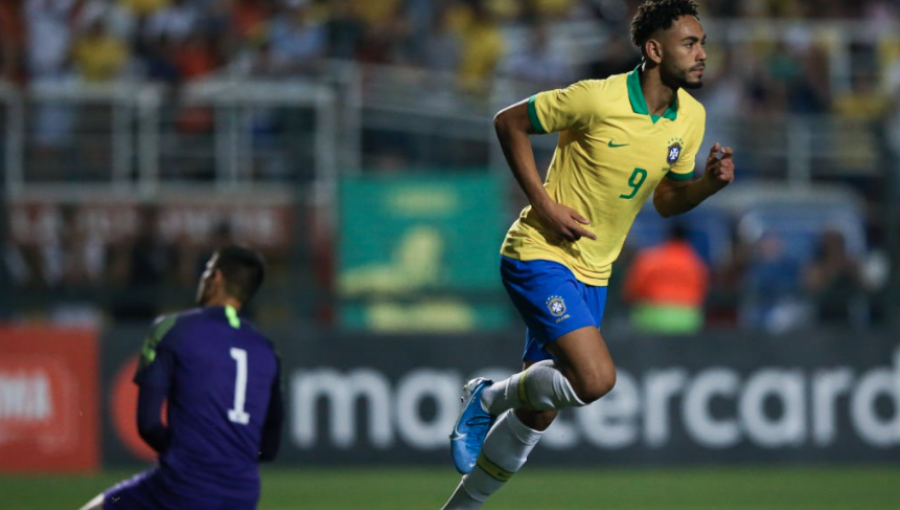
{"x":233,"y":318}
{"x":639,"y":104}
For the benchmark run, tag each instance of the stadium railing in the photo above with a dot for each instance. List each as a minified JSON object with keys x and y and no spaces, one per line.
{"x":242,"y":136}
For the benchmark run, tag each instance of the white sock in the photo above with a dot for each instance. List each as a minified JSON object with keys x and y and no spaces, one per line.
{"x":462,"y":500}
{"x":540,"y":387}
{"x":505,"y":451}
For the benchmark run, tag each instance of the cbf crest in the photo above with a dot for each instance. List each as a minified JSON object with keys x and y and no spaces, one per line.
{"x":674,"y":150}
{"x":556,"y":305}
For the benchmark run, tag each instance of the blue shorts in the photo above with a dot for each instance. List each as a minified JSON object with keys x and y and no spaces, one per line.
{"x":148,"y":491}
{"x":551,"y":301}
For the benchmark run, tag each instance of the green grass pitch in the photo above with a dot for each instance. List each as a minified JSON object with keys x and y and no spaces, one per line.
{"x":714,"y":488}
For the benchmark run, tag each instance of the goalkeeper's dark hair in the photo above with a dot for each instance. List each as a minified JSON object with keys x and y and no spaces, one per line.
{"x":655,"y":15}
{"x":243,"y":270}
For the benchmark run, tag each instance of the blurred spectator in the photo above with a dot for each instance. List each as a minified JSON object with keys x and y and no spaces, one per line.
{"x":537,"y":63}
{"x":176,"y":21}
{"x":620,"y":56}
{"x":79,"y":259}
{"x":666,"y":286}
{"x":162,"y":61}
{"x":891,"y":91}
{"x":442,"y":48}
{"x":783,"y":69}
{"x":771,"y":287}
{"x":345,"y":30}
{"x":142,"y":8}
{"x":249,"y":17}
{"x":864,"y":101}
{"x":724,"y":95}
{"x":49,"y":26}
{"x":98,"y":55}
{"x":482,"y":49}
{"x":386,"y":34}
{"x":551,"y":8}
{"x":298,"y":40}
{"x":863,"y":105}
{"x":376,"y":13}
{"x":195,"y":58}
{"x":808,"y":91}
{"x":140,"y":268}
{"x":12,"y":40}
{"x":834,"y":283}
{"x":82,"y":252}
{"x":421,"y":16}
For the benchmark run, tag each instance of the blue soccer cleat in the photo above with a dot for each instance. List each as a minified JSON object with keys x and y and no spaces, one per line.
{"x":471,"y":427}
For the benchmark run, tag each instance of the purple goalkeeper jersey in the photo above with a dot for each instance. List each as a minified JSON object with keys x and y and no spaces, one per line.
{"x":219,"y":375}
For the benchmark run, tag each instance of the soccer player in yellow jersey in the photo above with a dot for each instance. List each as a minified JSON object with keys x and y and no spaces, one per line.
{"x":620,"y":140}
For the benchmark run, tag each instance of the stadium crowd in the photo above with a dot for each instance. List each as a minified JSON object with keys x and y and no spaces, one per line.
{"x":174,"y":42}
{"x":179,"y":41}
{"x":851,"y":71}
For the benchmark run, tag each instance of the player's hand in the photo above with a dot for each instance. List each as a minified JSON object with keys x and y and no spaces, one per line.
{"x":719,"y":166}
{"x":564,"y":221}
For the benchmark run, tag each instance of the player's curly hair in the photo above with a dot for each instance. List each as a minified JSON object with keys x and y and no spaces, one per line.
{"x":655,"y":15}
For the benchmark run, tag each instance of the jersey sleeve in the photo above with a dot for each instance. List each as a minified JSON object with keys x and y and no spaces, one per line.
{"x":683,"y":169}
{"x":576,"y":107}
{"x":149,"y":417}
{"x":272,"y":428}
{"x":157,"y":362}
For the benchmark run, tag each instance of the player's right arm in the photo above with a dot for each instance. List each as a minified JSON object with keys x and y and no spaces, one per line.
{"x":154,"y":377}
{"x":513,"y":126}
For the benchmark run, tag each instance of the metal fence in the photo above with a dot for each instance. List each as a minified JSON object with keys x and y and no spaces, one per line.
{"x":70,"y":143}
{"x":134,"y":138}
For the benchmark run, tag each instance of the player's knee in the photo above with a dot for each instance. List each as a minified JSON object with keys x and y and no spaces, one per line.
{"x":595,"y":386}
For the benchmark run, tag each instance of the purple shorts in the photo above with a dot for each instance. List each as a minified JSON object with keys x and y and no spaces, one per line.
{"x":148,"y":491}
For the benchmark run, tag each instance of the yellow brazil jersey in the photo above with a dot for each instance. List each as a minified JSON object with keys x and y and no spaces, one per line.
{"x":610,"y":157}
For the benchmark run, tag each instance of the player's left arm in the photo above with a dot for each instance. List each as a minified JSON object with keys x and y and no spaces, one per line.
{"x":673,"y":197}
{"x":271,"y":433}
{"x":149,"y":417}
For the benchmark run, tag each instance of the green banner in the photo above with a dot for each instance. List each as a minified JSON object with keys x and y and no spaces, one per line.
{"x":421,"y":253}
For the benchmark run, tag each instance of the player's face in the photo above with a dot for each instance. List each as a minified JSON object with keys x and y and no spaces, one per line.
{"x":684,"y":56}
{"x":206,"y":288}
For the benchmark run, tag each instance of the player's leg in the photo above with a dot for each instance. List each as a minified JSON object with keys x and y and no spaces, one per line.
{"x":504,"y":452}
{"x":558,"y":309}
{"x":565,"y":316}
{"x":478,"y":416}
{"x":135,"y":493}
{"x":94,"y":504}
{"x":582,"y":372}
